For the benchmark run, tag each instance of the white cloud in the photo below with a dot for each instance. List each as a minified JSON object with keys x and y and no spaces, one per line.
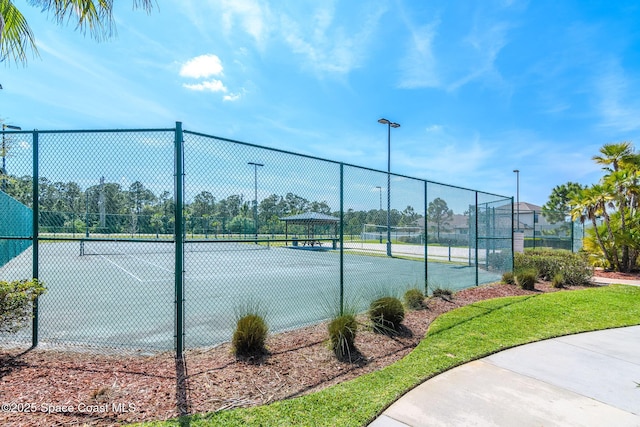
{"x":231,"y":97}
{"x":207,"y":86}
{"x":615,"y":107}
{"x":434,"y":128}
{"x":251,"y":16}
{"x":202,"y":66}
{"x":486,"y":42}
{"x":418,"y":68}
{"x":327,"y":41}
{"x":467,"y":59}
{"x":331,"y":47}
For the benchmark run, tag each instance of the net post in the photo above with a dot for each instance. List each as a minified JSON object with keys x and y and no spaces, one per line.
{"x":179,"y":240}
{"x":35,"y":235}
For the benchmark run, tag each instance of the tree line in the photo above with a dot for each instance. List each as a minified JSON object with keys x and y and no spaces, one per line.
{"x":110,"y":208}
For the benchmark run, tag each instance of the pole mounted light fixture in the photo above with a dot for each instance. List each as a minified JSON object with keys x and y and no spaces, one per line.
{"x":390,"y":125}
{"x":387,"y":122}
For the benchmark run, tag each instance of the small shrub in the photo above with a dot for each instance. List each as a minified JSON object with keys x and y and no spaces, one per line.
{"x":250,"y":336}
{"x":444,"y":293}
{"x":342,"y":332}
{"x":508,"y":278}
{"x":527,"y":278}
{"x":386,"y":313}
{"x":558,"y":280}
{"x":574,"y":266}
{"x":16,"y":300}
{"x":414,"y":299}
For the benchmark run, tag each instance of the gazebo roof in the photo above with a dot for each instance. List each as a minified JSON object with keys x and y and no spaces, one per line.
{"x":311,"y":218}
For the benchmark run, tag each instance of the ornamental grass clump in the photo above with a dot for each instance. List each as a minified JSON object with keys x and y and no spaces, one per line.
{"x":508,"y":278}
{"x":342,"y":333}
{"x":443,"y":293}
{"x":250,"y":336}
{"x":558,"y":280}
{"x":386,"y":313}
{"x":527,"y":278}
{"x":414,"y":299}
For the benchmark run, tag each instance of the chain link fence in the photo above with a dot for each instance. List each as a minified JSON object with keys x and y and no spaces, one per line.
{"x":550,"y":230}
{"x":159,"y":239}
{"x":16,"y":228}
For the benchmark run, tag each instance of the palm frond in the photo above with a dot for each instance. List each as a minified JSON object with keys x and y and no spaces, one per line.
{"x":16,"y":37}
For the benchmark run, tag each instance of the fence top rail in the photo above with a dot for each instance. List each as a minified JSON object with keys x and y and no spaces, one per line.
{"x":70,"y":131}
{"x":67,"y":131}
{"x":248,"y":144}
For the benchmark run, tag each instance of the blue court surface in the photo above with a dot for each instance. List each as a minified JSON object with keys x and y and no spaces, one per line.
{"x":124,"y":296}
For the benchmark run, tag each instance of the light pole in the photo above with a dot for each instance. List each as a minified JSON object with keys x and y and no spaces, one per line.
{"x":517,"y":198}
{"x":380,"y":210}
{"x":389,"y":126}
{"x":4,"y":154}
{"x":255,"y":195}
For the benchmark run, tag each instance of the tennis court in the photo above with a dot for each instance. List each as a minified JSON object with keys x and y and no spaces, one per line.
{"x":148,"y":188}
{"x":134,"y":308}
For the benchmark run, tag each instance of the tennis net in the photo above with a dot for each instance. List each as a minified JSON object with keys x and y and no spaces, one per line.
{"x":131,"y":247}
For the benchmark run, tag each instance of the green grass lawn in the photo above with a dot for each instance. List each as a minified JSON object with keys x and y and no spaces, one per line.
{"x":457,"y":337}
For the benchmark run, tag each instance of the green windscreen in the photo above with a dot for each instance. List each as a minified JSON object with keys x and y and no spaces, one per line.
{"x":16,"y":228}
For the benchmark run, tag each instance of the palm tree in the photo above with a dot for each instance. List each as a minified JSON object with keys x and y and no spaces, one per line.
{"x":622,"y":165}
{"x":590,"y":204}
{"x":16,"y":37}
{"x":613,"y":154}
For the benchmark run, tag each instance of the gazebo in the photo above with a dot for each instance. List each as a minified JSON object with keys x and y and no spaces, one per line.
{"x":311,"y":220}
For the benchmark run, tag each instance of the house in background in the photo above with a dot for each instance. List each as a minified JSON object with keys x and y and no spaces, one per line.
{"x":537,"y":229}
{"x":526,"y":216}
{"x":529,"y":219}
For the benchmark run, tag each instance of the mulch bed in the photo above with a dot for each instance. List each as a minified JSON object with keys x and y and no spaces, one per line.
{"x":49,"y":388}
{"x":616,"y":275}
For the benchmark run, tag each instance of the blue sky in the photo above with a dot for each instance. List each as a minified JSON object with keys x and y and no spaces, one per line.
{"x":480,"y":88}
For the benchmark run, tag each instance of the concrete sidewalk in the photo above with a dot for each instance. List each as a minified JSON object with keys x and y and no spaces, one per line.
{"x":588,"y":379}
{"x":607,"y":281}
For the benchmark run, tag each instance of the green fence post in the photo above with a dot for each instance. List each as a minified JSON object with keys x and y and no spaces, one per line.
{"x":572,"y":237}
{"x":341,"y":239}
{"x":179,"y":240}
{"x":35,"y":233}
{"x":426,"y":247}
{"x":476,"y":233}
{"x":513,"y":247}
{"x":487,"y":230}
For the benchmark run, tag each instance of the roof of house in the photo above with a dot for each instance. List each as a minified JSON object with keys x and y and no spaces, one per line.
{"x":524,"y":207}
{"x":311,"y":218}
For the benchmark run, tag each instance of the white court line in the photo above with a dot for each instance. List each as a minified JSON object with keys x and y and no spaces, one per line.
{"x":148,"y":262}
{"x":187,"y":277}
{"x":126,"y":271}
